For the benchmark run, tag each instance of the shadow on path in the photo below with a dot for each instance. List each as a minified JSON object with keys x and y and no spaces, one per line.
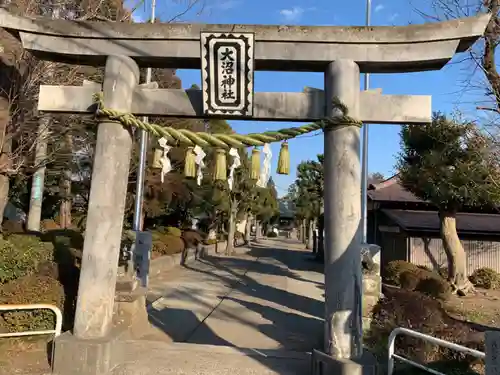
{"x":293,"y":321}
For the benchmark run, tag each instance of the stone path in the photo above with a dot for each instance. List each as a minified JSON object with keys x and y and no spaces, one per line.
{"x":257,"y":312}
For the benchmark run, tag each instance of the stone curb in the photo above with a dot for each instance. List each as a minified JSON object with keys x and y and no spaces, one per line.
{"x":168,"y":262}
{"x":249,"y":352}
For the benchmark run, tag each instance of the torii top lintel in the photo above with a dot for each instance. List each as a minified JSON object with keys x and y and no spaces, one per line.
{"x":388,"y":49}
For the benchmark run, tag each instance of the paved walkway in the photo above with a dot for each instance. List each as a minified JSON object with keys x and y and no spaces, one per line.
{"x":268,"y":298}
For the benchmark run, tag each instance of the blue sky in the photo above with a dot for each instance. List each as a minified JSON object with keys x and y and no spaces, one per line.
{"x":445,"y":86}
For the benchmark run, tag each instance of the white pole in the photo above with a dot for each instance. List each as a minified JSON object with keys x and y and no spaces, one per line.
{"x":137,"y":225}
{"x":364,"y":161}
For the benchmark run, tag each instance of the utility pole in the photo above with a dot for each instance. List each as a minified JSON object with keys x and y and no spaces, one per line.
{"x":137,"y":224}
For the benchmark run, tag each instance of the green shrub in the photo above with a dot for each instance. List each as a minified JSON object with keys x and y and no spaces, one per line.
{"x":168,"y":244}
{"x":211,"y":241}
{"x":425,"y":268}
{"x":174,"y":231}
{"x":485,"y":278}
{"x":394,"y":269}
{"x":434,"y":286}
{"x":32,"y":289}
{"x":409,"y":280}
{"x":272,"y":234}
{"x":419,"y":312}
{"x":21,"y":254}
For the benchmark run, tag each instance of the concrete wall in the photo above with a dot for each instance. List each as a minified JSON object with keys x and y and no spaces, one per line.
{"x":167,"y":262}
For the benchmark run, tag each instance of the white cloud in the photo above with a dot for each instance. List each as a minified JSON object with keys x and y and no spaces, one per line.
{"x":292,"y":14}
{"x":226,"y":4}
{"x":138,"y":17}
{"x":379,"y":7}
{"x":393,"y":17}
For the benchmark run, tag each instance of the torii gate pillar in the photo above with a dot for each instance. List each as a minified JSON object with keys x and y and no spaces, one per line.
{"x":96,"y":290}
{"x":342,"y":202}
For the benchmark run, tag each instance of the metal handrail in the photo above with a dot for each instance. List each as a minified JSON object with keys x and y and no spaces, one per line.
{"x":431,"y":339}
{"x":57,"y":312}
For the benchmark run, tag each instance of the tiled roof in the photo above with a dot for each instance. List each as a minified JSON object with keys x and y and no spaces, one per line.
{"x":391,"y":190}
{"x":429,"y":221}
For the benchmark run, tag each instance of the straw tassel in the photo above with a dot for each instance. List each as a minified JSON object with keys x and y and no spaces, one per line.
{"x":220,"y":173}
{"x":284,"y":160}
{"x":157,"y":157}
{"x":255,"y":163}
{"x":190,"y":163}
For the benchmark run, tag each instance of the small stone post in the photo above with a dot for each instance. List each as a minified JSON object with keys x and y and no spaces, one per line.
{"x":96,"y":291}
{"x":342,"y":207}
{"x":372,"y":282}
{"x":38,"y":181}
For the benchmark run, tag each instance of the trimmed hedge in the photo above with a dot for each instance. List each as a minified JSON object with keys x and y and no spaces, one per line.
{"x":409,"y":280}
{"x":394,"y":269}
{"x":434,"y":286}
{"x":20,"y":255}
{"x":485,"y":278}
{"x":174,"y":231}
{"x":417,"y":278}
{"x":30,"y":289}
{"x":39,"y":268}
{"x":167,"y":244}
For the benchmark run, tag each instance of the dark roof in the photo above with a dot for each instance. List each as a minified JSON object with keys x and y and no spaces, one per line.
{"x":391,"y":190}
{"x":429,"y":221}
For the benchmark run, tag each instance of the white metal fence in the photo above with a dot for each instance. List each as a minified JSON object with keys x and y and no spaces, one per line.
{"x":408,"y":332}
{"x":56,"y":331}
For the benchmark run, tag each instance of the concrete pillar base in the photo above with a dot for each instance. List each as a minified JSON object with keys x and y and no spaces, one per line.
{"x":82,"y":357}
{"x":130,"y":311}
{"x":366,"y":365}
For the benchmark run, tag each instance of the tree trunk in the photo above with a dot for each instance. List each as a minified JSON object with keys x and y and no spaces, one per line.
{"x":5,"y":155}
{"x":4,"y":194}
{"x":310,"y":239}
{"x":65,"y":208}
{"x":231,"y":228}
{"x":315,"y":242}
{"x":38,"y":181}
{"x":320,"y":255}
{"x":248,"y":228}
{"x":455,"y":254}
{"x":258,"y":230}
{"x":304,"y":232}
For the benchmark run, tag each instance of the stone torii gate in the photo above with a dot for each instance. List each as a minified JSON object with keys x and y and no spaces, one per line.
{"x":342,"y":53}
